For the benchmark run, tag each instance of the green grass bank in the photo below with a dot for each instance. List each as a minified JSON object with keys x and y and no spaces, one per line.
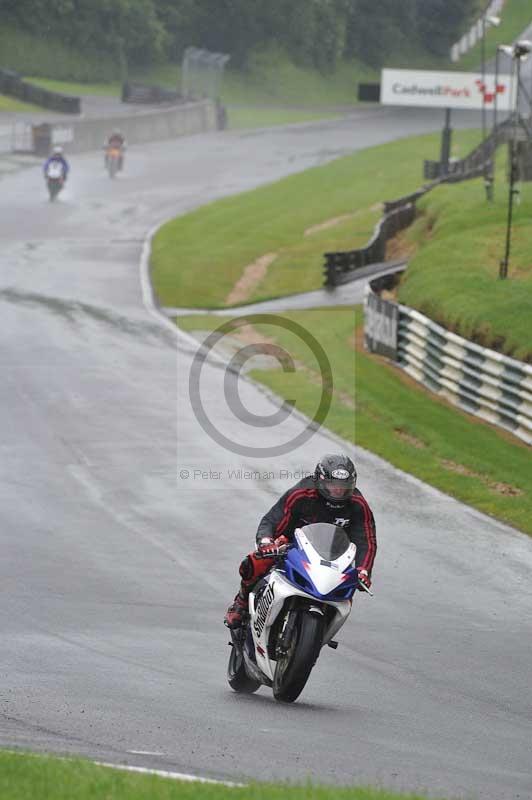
{"x":376,"y":406}
{"x":28,"y":777}
{"x":75,"y":89}
{"x":455,"y":245}
{"x":454,"y":276}
{"x":12,"y":105}
{"x":271,"y":79}
{"x":220,"y":240}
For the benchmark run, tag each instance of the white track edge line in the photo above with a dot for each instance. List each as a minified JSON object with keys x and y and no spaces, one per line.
{"x":161,"y":773}
{"x":148,"y":297}
{"x":177,"y":776}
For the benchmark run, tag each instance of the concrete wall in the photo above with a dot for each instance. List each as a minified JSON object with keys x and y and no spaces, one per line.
{"x":80,"y":136}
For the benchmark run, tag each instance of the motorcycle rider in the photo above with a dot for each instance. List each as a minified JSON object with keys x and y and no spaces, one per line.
{"x":329,"y":495}
{"x":118,"y":140}
{"x":57,"y":157}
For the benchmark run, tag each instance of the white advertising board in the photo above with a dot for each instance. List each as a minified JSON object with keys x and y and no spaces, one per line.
{"x":405,"y":87}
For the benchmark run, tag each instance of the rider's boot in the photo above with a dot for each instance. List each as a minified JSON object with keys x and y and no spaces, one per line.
{"x":237,"y":609}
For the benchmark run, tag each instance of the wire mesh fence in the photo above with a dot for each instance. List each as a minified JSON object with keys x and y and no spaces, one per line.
{"x":202,"y":73}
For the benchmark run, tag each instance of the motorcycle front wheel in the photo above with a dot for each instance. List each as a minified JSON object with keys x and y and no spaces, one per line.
{"x":237,"y":676}
{"x":294,"y":668}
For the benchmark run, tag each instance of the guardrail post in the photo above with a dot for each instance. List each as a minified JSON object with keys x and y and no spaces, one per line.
{"x":446,"y":137}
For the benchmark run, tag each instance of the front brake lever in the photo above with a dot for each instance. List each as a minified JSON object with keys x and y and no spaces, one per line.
{"x":363,"y":586}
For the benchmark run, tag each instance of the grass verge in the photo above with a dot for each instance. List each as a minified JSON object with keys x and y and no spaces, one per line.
{"x":27,"y":776}
{"x":454,"y":277}
{"x":458,"y":241}
{"x":78,"y":89}
{"x":378,"y":407}
{"x":220,"y":240}
{"x":11,"y":104}
{"x":273,"y":80}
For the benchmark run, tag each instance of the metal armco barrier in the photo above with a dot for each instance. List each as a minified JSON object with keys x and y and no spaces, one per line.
{"x":474,"y":164}
{"x":151,"y":95}
{"x":341,"y":267}
{"x":483,"y":382}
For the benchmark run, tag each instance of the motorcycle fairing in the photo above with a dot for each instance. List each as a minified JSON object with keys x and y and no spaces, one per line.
{"x":316,"y":576}
{"x":54,"y":171}
{"x":304,"y":566}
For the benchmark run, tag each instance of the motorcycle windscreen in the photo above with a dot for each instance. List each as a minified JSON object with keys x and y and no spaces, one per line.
{"x":330,"y":541}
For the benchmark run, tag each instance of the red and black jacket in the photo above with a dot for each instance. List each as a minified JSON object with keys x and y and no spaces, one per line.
{"x":303,"y":505}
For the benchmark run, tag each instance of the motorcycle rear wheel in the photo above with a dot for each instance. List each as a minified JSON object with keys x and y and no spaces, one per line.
{"x":237,"y":676}
{"x":112,"y":167}
{"x":293,"y":669}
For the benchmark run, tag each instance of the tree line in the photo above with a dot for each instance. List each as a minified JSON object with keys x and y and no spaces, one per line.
{"x":316,"y":33}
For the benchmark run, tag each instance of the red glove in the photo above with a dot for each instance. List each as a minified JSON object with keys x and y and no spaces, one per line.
{"x":282,"y":543}
{"x":363,"y":577}
{"x":268,"y":547}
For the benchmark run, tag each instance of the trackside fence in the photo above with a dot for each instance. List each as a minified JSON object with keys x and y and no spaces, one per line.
{"x":483,"y":382}
{"x":341,"y":267}
{"x":475,"y":164}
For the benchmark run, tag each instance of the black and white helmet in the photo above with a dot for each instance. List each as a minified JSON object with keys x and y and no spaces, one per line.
{"x":335,"y":477}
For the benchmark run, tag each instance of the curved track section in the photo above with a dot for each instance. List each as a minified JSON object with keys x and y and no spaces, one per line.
{"x":116,"y":569}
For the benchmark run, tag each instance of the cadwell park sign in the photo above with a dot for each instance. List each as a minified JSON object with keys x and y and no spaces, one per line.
{"x":404,"y":87}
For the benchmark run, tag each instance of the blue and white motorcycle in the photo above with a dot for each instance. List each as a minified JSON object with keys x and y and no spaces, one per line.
{"x":55,"y":178}
{"x":296,"y":609}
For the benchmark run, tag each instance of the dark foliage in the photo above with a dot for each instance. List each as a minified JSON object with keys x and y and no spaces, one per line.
{"x":314,"y":32}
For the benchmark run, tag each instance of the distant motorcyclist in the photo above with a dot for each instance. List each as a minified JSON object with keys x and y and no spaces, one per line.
{"x":116,"y":140}
{"x":57,"y":157}
{"x":328,"y":496}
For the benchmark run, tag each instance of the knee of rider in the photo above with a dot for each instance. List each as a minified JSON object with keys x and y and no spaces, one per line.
{"x":247,"y":569}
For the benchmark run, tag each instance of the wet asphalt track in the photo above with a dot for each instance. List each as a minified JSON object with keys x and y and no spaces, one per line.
{"x":116,"y":569}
